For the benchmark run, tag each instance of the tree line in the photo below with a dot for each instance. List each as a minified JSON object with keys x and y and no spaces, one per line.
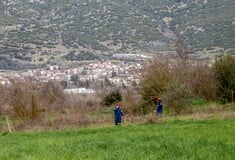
{"x":178,"y":79}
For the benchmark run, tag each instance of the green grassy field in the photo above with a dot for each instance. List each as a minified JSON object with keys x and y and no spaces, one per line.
{"x":177,"y":139}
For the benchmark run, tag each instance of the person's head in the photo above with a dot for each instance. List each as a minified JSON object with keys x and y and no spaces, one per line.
{"x":118,"y":104}
{"x":159,"y":99}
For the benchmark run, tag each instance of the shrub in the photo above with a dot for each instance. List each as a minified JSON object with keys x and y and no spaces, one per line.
{"x":177,"y":78}
{"x":203,"y":82}
{"x":27,"y":99}
{"x":156,"y":78}
{"x":23,"y":100}
{"x":112,"y":97}
{"x":224,"y":69}
{"x":177,"y":98}
{"x":131,"y":102}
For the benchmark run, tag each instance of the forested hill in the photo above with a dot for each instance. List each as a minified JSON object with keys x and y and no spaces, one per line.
{"x":37,"y":31}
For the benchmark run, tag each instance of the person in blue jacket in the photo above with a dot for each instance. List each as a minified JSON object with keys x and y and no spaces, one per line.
{"x":159,"y":106}
{"x":118,"y":114}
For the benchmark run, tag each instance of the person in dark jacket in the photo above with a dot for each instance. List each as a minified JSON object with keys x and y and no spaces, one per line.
{"x":159,"y":106}
{"x":118,"y":114}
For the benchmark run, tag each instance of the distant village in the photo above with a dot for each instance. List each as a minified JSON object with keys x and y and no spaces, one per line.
{"x":84,"y":78}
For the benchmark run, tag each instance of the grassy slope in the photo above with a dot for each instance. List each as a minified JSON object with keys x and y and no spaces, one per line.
{"x":208,"y":139}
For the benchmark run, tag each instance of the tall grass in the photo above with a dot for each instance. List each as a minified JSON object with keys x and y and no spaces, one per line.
{"x":211,"y":139}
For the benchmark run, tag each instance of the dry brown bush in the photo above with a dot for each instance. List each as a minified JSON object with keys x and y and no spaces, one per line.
{"x":165,"y":75}
{"x":131,"y":102}
{"x":156,"y":77}
{"x":202,"y":82}
{"x":32,"y":103}
{"x":21,"y":100}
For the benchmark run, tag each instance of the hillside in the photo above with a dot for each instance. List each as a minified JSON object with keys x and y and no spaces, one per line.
{"x":45,"y":31}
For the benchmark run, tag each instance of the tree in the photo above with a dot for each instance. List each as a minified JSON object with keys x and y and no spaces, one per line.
{"x":176,"y":78}
{"x":74,"y":78}
{"x":156,"y":77}
{"x":112,"y":97}
{"x":224,"y":69}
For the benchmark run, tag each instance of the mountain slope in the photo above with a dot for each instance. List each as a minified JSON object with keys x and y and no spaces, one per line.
{"x":38,"y":31}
